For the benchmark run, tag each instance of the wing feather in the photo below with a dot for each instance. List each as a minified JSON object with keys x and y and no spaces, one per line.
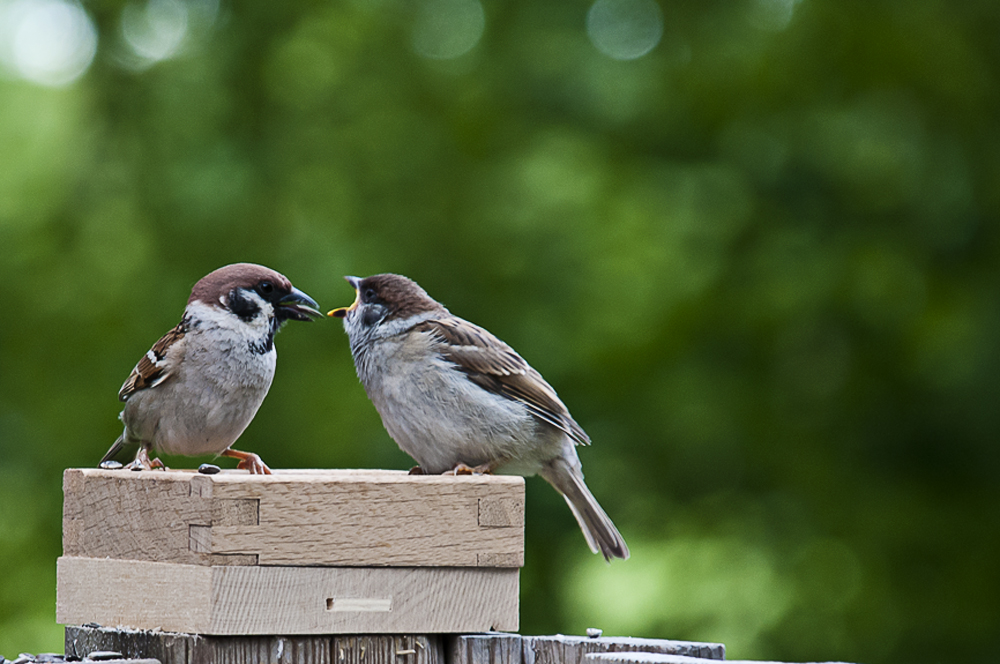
{"x":155,"y":366}
{"x":496,"y":367}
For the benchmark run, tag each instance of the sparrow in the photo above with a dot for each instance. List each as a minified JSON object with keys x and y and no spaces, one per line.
{"x":196,"y":390}
{"x":459,"y":400}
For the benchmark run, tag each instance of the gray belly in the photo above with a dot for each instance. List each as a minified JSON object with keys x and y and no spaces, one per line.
{"x":440,"y":418}
{"x":205,"y":417}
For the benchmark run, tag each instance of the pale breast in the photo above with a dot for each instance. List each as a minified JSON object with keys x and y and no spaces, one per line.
{"x":439,"y":417}
{"x":210,"y":400}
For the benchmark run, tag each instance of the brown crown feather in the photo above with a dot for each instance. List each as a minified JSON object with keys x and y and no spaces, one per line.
{"x":215,"y":284}
{"x":401,"y":295}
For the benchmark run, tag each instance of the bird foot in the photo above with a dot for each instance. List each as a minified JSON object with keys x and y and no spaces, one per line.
{"x":463,"y":469}
{"x":255,"y":465}
{"x":143,"y":462}
{"x":248,"y":461}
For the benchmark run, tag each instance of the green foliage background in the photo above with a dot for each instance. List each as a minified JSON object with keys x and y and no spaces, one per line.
{"x":760,"y":265}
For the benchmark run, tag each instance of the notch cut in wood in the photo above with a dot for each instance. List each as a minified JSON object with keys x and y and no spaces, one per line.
{"x":357,"y":604}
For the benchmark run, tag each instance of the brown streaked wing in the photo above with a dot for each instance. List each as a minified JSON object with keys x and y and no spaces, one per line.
{"x":496,"y":367}
{"x":532,"y":390}
{"x":152,"y":368}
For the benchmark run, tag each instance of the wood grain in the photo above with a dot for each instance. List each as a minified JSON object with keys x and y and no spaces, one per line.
{"x":132,"y":515}
{"x":660,"y":658}
{"x":373,"y":519}
{"x":560,"y":649}
{"x":490,"y":648}
{"x":646,"y":658}
{"x":247,"y":600}
{"x":168,"y":647}
{"x":183,"y":648}
{"x":295,"y":518}
{"x":485,"y":649}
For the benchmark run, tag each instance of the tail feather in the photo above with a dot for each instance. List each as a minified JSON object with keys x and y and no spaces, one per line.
{"x":118,"y":448}
{"x":597,"y":527}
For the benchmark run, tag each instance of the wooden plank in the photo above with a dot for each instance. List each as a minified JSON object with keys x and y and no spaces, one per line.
{"x":183,"y":648}
{"x":168,"y":647}
{"x":295,"y":518}
{"x":398,"y":649}
{"x":137,"y":594}
{"x":485,"y":649}
{"x":265,"y":650}
{"x":636,"y":657}
{"x":491,"y":648}
{"x":560,"y":649}
{"x":660,"y":658}
{"x":246,"y":600}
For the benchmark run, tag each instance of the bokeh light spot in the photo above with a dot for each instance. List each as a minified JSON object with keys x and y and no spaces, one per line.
{"x":712,"y":586}
{"x":773,"y":15}
{"x":445,"y":29}
{"x":155,"y":31}
{"x":50,"y":42}
{"x":625,"y":29}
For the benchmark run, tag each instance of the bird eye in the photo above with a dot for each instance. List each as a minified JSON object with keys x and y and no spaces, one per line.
{"x":266,"y":287}
{"x":370,"y":295}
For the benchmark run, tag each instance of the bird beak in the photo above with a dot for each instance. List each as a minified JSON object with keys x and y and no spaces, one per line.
{"x":343,"y":311}
{"x":300,"y":306}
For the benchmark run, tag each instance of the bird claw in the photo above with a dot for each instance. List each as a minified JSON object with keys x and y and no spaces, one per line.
{"x":463,"y":469}
{"x":143,"y":462}
{"x":248,"y":461}
{"x":255,"y":465}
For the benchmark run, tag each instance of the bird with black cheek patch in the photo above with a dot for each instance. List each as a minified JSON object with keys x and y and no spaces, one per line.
{"x":457,"y":399}
{"x":200,"y":385}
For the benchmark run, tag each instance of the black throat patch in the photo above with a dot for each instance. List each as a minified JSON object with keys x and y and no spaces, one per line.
{"x":242,"y":306}
{"x":247,"y":309}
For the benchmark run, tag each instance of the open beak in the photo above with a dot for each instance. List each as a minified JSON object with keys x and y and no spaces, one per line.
{"x":299,"y":306}
{"x":343,"y":311}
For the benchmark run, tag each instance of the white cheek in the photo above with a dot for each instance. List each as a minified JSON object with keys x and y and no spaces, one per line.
{"x":222,"y":319}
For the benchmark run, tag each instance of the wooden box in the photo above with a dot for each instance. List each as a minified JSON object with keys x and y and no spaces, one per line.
{"x":297,"y":552}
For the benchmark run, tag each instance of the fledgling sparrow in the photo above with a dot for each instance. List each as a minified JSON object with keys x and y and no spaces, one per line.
{"x":456,"y":398}
{"x":200,"y":385}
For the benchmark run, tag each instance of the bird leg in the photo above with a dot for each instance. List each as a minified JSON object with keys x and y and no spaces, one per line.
{"x":248,"y":461}
{"x":143,"y":462}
